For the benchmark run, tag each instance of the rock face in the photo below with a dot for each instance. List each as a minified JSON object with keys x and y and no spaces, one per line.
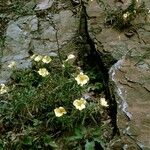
{"x":132,"y":82}
{"x":43,"y":33}
{"x":130,"y":77}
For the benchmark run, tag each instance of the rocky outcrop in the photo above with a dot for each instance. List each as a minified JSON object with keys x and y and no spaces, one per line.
{"x":132,"y":84}
{"x":130,"y":76}
{"x":48,"y":30}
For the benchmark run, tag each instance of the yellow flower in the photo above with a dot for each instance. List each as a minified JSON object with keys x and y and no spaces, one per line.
{"x":4,"y":89}
{"x":33,"y":56}
{"x":126,"y":15}
{"x":103,"y":102}
{"x":38,"y":58}
{"x":82,"y":79}
{"x":79,"y":103}
{"x":46,"y":59}
{"x":71,"y":56}
{"x":59,"y":111}
{"x":43,"y":72}
{"x":12,"y":64}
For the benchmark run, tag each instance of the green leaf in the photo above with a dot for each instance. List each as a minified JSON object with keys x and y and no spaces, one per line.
{"x":79,"y":133}
{"x":53,"y":144}
{"x":73,"y":138}
{"x":28,"y":140}
{"x":1,"y":144}
{"x":48,"y":141}
{"x":97,"y":132}
{"x":36,"y":122}
{"x":90,"y":145}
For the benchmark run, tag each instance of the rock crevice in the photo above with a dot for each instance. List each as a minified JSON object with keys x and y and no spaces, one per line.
{"x":93,"y":58}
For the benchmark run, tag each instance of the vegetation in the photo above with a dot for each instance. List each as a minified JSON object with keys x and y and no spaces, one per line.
{"x":50,"y":106}
{"x":122,"y":18}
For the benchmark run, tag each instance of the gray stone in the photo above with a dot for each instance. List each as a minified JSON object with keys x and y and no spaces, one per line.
{"x":6,"y":70}
{"x":44,"y":4}
{"x":41,"y":35}
{"x":67,"y":26}
{"x":17,"y":43}
{"x":15,"y":56}
{"x":28,"y":23}
{"x":4,"y":76}
{"x":47,"y":31}
{"x":18,"y":36}
{"x":13,"y":31}
{"x":44,"y":46}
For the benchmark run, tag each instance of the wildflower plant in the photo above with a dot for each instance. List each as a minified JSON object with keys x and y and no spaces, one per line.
{"x":46,"y":102}
{"x":103,"y":102}
{"x":3,"y":89}
{"x":122,"y":18}
{"x":79,"y":103}
{"x":43,"y":72}
{"x":59,"y":111}
{"x":82,"y":79}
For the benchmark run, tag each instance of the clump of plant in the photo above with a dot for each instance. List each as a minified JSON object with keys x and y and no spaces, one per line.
{"x":22,"y":7}
{"x":50,"y":106}
{"x":121,"y":18}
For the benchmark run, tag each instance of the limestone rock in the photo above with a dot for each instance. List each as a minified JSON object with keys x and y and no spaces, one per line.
{"x":44,"y":4}
{"x":44,"y":47}
{"x":39,"y":34}
{"x":47,"y":31}
{"x":18,"y":37}
{"x":66,"y":24}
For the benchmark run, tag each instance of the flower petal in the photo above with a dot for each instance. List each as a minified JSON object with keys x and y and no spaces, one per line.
{"x":103,"y":102}
{"x":59,"y":111}
{"x":82,"y":79}
{"x":46,"y":59}
{"x":43,"y":72}
{"x":79,"y":103}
